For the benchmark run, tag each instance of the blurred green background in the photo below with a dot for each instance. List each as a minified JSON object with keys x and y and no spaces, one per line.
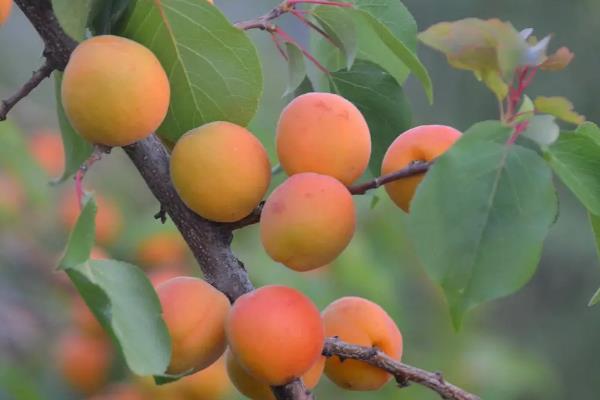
{"x":540,"y":343}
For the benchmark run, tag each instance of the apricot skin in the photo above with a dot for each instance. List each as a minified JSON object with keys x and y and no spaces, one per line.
{"x":162,"y":248}
{"x":362,"y":322}
{"x":256,"y":390}
{"x":275,"y":333}
{"x":307,"y":221}
{"x":210,"y":383}
{"x":422,"y":143}
{"x":326,"y":134}
{"x":109,"y":219}
{"x":5,"y":7}
{"x":221,"y":171}
{"x":114,"y":91}
{"x":195,"y":313}
{"x":47,"y":149}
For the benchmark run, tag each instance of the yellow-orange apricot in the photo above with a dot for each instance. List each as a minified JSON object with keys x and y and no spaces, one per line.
{"x":252,"y":388}
{"x":5,"y":7}
{"x":210,"y":383}
{"x":422,"y":143}
{"x":84,"y":319}
{"x":195,"y":314}
{"x":275,"y":333}
{"x":114,"y":91}
{"x":359,"y":321}
{"x":307,"y":221}
{"x":162,"y":248}
{"x":323,"y":133}
{"x":84,"y":361}
{"x":108,"y":217}
{"x":47,"y":149}
{"x":152,"y":391}
{"x":221,"y":171}
{"x":160,"y":275}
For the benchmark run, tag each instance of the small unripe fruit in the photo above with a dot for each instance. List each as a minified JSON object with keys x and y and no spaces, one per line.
{"x":221,"y":171}
{"x":422,"y":143}
{"x":307,"y":221}
{"x":362,"y":322}
{"x":5,"y":7}
{"x":275,"y":333}
{"x":195,"y":314}
{"x":114,"y":91}
{"x":254,"y":389}
{"x":326,"y":134}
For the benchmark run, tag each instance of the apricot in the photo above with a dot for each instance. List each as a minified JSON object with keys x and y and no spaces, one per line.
{"x":422,"y":143}
{"x":161,"y":275}
{"x":307,"y":221}
{"x":84,"y":361}
{"x":5,"y":7}
{"x":195,"y":314}
{"x":359,"y":321}
{"x":162,"y":248}
{"x":114,"y":91}
{"x":221,"y":171}
{"x":323,"y":133}
{"x":120,"y":392}
{"x":256,"y":390}
{"x":210,"y":383}
{"x":84,"y":319}
{"x":275,"y":333}
{"x":108,"y":217}
{"x":47,"y":149}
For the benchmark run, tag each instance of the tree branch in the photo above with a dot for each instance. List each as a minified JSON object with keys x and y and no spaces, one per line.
{"x":403,"y":373}
{"x":38,"y":76}
{"x":415,"y":168}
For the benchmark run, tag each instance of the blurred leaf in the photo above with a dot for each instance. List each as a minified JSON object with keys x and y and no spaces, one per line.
{"x":558,"y":61}
{"x":487,"y":131}
{"x":73,"y":16}
{"x":560,"y":107}
{"x":106,"y":15}
{"x":340,"y":27}
{"x":575,"y":158}
{"x":479,"y":219}
{"x":124,"y":301}
{"x":77,"y":149}
{"x":374,"y":201}
{"x":595,"y":298}
{"x":213,"y":67}
{"x":81,"y":239}
{"x":304,"y":87}
{"x":595,"y":222}
{"x":19,"y":384}
{"x":542,"y":129}
{"x":380,"y":99}
{"x":526,"y":110}
{"x":296,"y":67}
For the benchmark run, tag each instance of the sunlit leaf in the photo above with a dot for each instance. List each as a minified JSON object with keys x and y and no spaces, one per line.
{"x":560,"y":107}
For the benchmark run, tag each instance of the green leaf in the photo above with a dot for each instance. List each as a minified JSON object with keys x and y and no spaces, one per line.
{"x":73,"y":16}
{"x":81,"y":239}
{"x":479,"y":219}
{"x":77,"y":149}
{"x":395,"y":16}
{"x":595,"y":222}
{"x":213,"y":67}
{"x":340,"y":26}
{"x":560,"y":107}
{"x":124,"y":301}
{"x":106,"y":15}
{"x":380,"y":99}
{"x":296,"y":68}
{"x":575,"y":158}
{"x":542,"y":129}
{"x":526,"y":110}
{"x":595,"y":298}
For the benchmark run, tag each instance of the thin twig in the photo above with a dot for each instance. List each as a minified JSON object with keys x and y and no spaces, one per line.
{"x":415,"y":168}
{"x":36,"y":78}
{"x":251,"y":219}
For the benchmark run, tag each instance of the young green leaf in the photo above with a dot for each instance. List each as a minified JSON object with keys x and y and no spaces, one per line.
{"x":213,"y":67}
{"x":380,"y":99}
{"x":560,"y":107}
{"x":479,"y":219}
{"x":340,"y":26}
{"x":296,"y":67}
{"x":82,"y":237}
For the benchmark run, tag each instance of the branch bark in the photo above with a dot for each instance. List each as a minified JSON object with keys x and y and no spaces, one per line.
{"x":36,"y":78}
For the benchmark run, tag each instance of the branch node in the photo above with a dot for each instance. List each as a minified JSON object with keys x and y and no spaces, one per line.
{"x":161,"y":215}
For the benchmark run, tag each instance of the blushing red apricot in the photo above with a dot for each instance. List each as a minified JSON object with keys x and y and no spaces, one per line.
{"x":422,"y":143}
{"x":195,"y":314}
{"x":210,"y":383}
{"x":275,"y":333}
{"x":323,"y":133}
{"x":359,"y":321}
{"x":307,"y":221}
{"x":114,"y":91}
{"x":257,"y":390}
{"x":5,"y":7}
{"x":221,"y":171}
{"x":108,"y":217}
{"x":47,"y":149}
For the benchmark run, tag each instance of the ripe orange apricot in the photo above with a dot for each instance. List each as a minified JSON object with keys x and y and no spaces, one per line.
{"x":47,"y":149}
{"x":114,"y":91}
{"x":210,"y":383}
{"x":275,"y":333}
{"x":84,"y":319}
{"x":422,"y":143}
{"x":84,"y":361}
{"x":195,"y":314}
{"x":254,"y":389}
{"x":162,"y":248}
{"x":221,"y":171}
{"x":160,"y":275}
{"x":108,"y":217}
{"x":5,"y":7}
{"x":359,"y":321}
{"x":323,"y":133}
{"x":307,"y":221}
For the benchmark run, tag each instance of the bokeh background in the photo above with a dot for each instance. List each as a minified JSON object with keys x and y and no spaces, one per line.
{"x":541,"y":343}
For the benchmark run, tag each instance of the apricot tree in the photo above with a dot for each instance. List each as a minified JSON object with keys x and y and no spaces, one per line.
{"x":175,"y":83}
